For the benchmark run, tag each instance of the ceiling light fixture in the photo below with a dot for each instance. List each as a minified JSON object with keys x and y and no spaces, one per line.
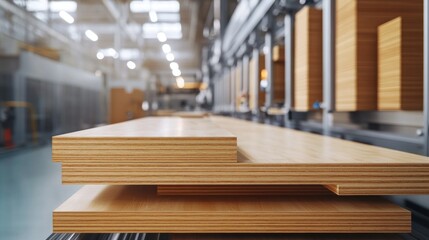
{"x":66,"y":17}
{"x":176,"y":72}
{"x":174,"y":65}
{"x":166,"y":48}
{"x":131,"y":65}
{"x":91,"y":35}
{"x":180,"y":82}
{"x":161,"y":37}
{"x":100,"y":55}
{"x":170,"y":57}
{"x":153,"y":17}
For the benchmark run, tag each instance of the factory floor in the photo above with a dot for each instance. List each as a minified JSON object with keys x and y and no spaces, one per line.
{"x":30,"y":188}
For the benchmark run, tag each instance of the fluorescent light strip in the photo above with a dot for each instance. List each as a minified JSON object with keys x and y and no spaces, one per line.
{"x":170,"y":57}
{"x":91,"y":35}
{"x":166,"y":48}
{"x":66,"y":17}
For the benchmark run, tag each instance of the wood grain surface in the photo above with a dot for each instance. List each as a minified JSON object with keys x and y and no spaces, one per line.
{"x":269,"y":155}
{"x":243,"y":190}
{"x":400,"y":64}
{"x":138,"y":209}
{"x":356,"y":48}
{"x":155,"y":139}
{"x":308,"y":59}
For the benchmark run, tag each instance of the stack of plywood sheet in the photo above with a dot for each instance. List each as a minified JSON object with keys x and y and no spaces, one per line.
{"x":138,"y":209}
{"x":148,"y":140}
{"x":256,"y":101}
{"x":308,"y":59}
{"x":356,"y":47}
{"x":282,"y":180}
{"x":400,"y":64}
{"x":278,"y":74}
{"x":268,"y":155}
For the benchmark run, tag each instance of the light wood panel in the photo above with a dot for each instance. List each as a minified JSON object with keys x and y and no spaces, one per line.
{"x":356,"y":48}
{"x":273,"y":155}
{"x":253,"y":102}
{"x":155,"y":139}
{"x":191,"y":114}
{"x":125,"y":106}
{"x":242,"y":190}
{"x":203,"y":236}
{"x":238,"y":85}
{"x":279,"y":53}
{"x":400,"y":65}
{"x":308,"y":59}
{"x":278,"y":74}
{"x":138,"y":209}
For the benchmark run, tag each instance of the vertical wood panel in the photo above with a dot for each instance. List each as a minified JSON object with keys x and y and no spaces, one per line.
{"x":356,"y":48}
{"x":308,"y":58}
{"x":125,"y":106}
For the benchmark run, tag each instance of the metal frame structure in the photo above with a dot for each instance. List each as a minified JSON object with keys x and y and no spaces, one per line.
{"x":393,"y":138}
{"x":426,"y":79}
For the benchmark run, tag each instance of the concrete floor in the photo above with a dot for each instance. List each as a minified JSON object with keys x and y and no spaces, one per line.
{"x":30,"y":189}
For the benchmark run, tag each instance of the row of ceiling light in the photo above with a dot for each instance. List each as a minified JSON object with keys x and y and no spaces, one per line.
{"x":162,"y":37}
{"x":166,"y":48}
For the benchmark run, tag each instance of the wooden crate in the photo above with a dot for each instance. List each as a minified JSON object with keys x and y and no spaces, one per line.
{"x":400,"y":65}
{"x":279,"y":82}
{"x":356,"y":47}
{"x":308,"y":59}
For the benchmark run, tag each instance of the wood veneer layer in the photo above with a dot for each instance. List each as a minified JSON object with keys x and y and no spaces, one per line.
{"x":244,"y":190}
{"x":269,"y":155}
{"x":138,"y":209}
{"x":155,"y":139}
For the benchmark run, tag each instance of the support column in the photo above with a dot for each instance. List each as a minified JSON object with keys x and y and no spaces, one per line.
{"x":328,"y":65}
{"x":289,"y":68}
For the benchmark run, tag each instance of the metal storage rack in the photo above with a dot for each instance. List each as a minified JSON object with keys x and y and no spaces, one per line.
{"x":274,"y":19}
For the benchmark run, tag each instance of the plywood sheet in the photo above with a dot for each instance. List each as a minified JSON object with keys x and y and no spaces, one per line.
{"x":356,"y":48}
{"x":243,"y":190}
{"x":400,"y":65}
{"x":156,"y":139}
{"x":308,"y":59}
{"x":274,"y":156}
{"x":138,"y":209}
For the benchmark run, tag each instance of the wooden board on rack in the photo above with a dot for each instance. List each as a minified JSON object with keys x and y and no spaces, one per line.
{"x":308,"y":59}
{"x":244,"y":190}
{"x":100,"y":209}
{"x":273,"y":155}
{"x":256,"y":101}
{"x":155,"y":139}
{"x":400,"y":65}
{"x":356,"y":48}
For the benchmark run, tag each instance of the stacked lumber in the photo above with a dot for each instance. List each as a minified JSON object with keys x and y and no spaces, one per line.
{"x":269,"y":155}
{"x":400,"y":65}
{"x":308,"y":59}
{"x":158,"y":140}
{"x":356,"y":47}
{"x":98,"y":209}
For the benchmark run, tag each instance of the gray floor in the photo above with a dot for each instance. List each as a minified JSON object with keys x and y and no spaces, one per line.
{"x":30,"y":188}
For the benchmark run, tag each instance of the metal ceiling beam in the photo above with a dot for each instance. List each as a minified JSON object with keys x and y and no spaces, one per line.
{"x":114,"y":10}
